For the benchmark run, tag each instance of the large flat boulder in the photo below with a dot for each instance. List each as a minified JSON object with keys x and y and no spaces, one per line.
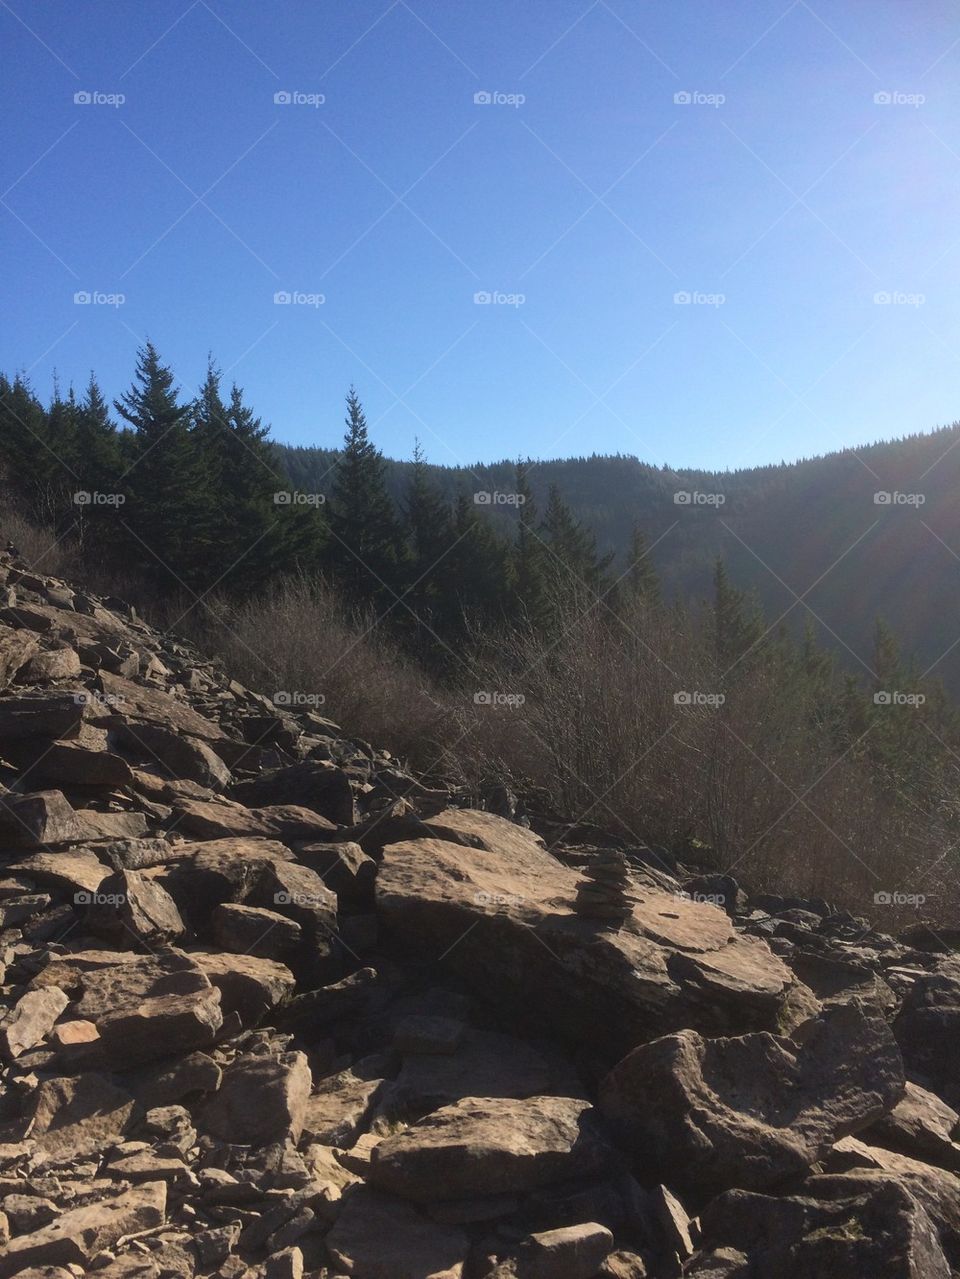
{"x":709,"y":1114}
{"x":378,"y":1237}
{"x":928,"y":1030}
{"x":71,"y":872}
{"x":37,"y":819}
{"x":145,"y":1007}
{"x":77,"y":1236}
{"x":836,"y":1228}
{"x":80,"y":1115}
{"x":490,"y":1146}
{"x":223,"y":818}
{"x":261,"y":1100}
{"x":502,"y":916}
{"x":321,"y":787}
{"x":16,"y":649}
{"x":138,"y":703}
{"x":176,"y":754}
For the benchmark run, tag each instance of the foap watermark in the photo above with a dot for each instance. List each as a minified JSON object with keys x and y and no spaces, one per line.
{"x":488,"y":698}
{"x":86,"y":297}
{"x":899,"y":899}
{"x":685,"y":298}
{"x":897,"y":98}
{"x":298,"y":899}
{"x":84,"y":497}
{"x":497,"y":901}
{"x":498,"y":298}
{"x":703,"y":899}
{"x":886,"y":497}
{"x":296,"y":98}
{"x":298,"y":698}
{"x":94,"y":98}
{"x":93,"y":697}
{"x":98,"y":899}
{"x":494,"y":98}
{"x":691,"y":497}
{"x":285,"y":297}
{"x":495,"y":498}
{"x":898,"y":297}
{"x":697,"y":98}
{"x":697,"y":698}
{"x":288,"y":497}
{"x":894,"y":697}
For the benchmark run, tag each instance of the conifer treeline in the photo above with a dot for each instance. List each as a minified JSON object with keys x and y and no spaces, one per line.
{"x":191,"y":492}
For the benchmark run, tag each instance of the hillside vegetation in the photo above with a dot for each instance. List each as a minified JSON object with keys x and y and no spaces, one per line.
{"x":498,"y":644}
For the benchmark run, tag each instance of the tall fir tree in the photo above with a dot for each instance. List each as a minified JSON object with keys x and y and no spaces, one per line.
{"x":365,"y":548}
{"x":430,"y":536}
{"x":531,"y":605}
{"x":99,"y":466}
{"x":170,"y":496}
{"x":640,"y":580}
{"x":575,"y":570}
{"x":737,"y":625}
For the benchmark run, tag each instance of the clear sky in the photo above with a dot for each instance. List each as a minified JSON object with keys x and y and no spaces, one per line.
{"x":783,"y":197}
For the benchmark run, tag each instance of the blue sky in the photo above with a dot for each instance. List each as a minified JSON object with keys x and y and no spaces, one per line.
{"x":783,"y":198}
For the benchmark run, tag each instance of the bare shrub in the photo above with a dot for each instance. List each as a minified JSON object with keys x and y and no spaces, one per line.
{"x":299,"y":640}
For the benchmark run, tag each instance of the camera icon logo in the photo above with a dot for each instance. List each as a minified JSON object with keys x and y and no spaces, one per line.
{"x":283,"y":98}
{"x":483,"y":98}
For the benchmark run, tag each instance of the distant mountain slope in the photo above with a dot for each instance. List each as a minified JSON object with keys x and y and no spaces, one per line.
{"x":814,"y":529}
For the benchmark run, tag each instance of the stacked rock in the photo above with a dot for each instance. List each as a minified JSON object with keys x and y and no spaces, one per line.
{"x":604,"y":893}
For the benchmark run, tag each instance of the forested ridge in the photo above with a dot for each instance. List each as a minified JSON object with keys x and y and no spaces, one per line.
{"x":647,"y":676}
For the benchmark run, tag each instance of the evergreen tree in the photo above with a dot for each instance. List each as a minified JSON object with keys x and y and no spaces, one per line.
{"x":56,"y":492}
{"x":266,"y":536}
{"x":99,"y":466}
{"x":530,"y":595}
{"x":170,"y":497}
{"x":365,"y":545}
{"x":737,"y":624}
{"x":640,"y":580}
{"x":575,"y":569}
{"x":29,"y":462}
{"x":476,"y":577}
{"x":430,"y":536}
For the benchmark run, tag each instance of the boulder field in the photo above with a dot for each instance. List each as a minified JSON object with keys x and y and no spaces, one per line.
{"x":272,"y":1006}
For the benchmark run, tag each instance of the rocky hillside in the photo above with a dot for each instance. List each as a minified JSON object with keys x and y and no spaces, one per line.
{"x":272,"y":1006}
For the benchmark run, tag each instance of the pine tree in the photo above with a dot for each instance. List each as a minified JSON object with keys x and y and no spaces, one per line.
{"x":640,"y":579}
{"x":265,"y":536}
{"x":737,"y":624}
{"x":430,"y":534}
{"x":476,"y":572}
{"x":170,"y":497}
{"x":57,"y":506}
{"x":365,"y":546}
{"x":29,"y":460}
{"x":575,"y":570}
{"x":530,"y":596}
{"x":99,"y":466}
